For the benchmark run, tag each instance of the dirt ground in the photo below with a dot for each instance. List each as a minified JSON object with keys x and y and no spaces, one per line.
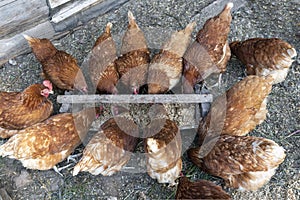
{"x":279,"y":18}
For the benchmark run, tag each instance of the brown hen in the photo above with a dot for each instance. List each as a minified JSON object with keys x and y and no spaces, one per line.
{"x":163,"y":147}
{"x":43,"y":145}
{"x":210,"y":52}
{"x":110,"y":148}
{"x":19,"y":110}
{"x":201,"y":189}
{"x":58,"y":66}
{"x":265,"y":56}
{"x":102,"y":67}
{"x":244,"y":162}
{"x":166,"y":67}
{"x":239,"y":110}
{"x":132,"y":65}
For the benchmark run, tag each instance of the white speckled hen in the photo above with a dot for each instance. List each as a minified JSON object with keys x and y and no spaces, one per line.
{"x":244,"y":162}
{"x":163,"y":147}
{"x":265,"y":56}
{"x":19,"y":110}
{"x":132,"y":65}
{"x":110,"y":148}
{"x":101,"y":61}
{"x":166,"y":67}
{"x":45,"y":144}
{"x":210,"y":52}
{"x":239,"y":110}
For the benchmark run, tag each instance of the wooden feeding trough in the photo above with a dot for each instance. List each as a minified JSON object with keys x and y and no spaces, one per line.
{"x":189,"y":103}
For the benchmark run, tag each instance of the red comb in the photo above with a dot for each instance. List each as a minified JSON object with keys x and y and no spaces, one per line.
{"x":48,"y":84}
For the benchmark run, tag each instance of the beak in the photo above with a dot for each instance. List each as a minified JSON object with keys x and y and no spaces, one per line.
{"x":51,"y":92}
{"x":84,"y":90}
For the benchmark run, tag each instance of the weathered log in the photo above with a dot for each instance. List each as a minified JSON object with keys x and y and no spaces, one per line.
{"x":18,"y":16}
{"x":155,"y":98}
{"x":40,"y":26}
{"x":17,"y":45}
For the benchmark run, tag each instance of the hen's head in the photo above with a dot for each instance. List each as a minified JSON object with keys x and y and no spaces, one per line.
{"x":80,"y":83}
{"x":38,"y":90}
{"x":48,"y":90}
{"x":45,"y":92}
{"x":135,"y":89}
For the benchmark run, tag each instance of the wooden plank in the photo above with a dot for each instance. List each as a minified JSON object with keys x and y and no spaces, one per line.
{"x":123,"y":98}
{"x":85,"y":15}
{"x":72,"y":9}
{"x":17,"y":44}
{"x":5,"y":2}
{"x":14,"y":45}
{"x":216,"y":7}
{"x":56,"y":3}
{"x":17,"y":16}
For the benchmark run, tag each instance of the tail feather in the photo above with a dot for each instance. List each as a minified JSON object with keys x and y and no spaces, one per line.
{"x":7,"y":149}
{"x":131,"y":19}
{"x":6,"y":133}
{"x":251,"y":181}
{"x":108,"y":27}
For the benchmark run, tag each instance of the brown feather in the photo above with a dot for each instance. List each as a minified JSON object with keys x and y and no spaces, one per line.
{"x":43,"y":145}
{"x":58,"y":66}
{"x":109,"y":149}
{"x":265,"y":56}
{"x":210,"y":52}
{"x":240,"y":110}
{"x":102,"y":67}
{"x":163,"y":149}
{"x":169,"y":62}
{"x":244,"y":162}
{"x":201,"y":189}
{"x":19,"y":110}
{"x":132,"y":65}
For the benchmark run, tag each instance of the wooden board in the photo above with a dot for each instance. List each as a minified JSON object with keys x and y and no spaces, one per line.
{"x":122,"y":98}
{"x":72,"y":9}
{"x":19,"y":15}
{"x":56,"y":3}
{"x":17,"y":44}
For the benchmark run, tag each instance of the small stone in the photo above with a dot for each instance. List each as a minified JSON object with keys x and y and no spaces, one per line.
{"x":12,"y":62}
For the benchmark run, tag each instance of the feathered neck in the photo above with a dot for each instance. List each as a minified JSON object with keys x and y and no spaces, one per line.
{"x":32,"y":96}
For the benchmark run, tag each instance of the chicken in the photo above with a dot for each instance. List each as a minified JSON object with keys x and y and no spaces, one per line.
{"x":244,"y":162}
{"x":265,"y":56}
{"x":102,"y":67}
{"x":239,"y":110}
{"x":132,"y":65}
{"x":163,"y":147}
{"x":43,"y":145}
{"x":110,"y":148}
{"x":166,"y":67}
{"x":201,"y":189}
{"x":58,"y":66}
{"x":19,"y":110}
{"x":210,"y":52}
